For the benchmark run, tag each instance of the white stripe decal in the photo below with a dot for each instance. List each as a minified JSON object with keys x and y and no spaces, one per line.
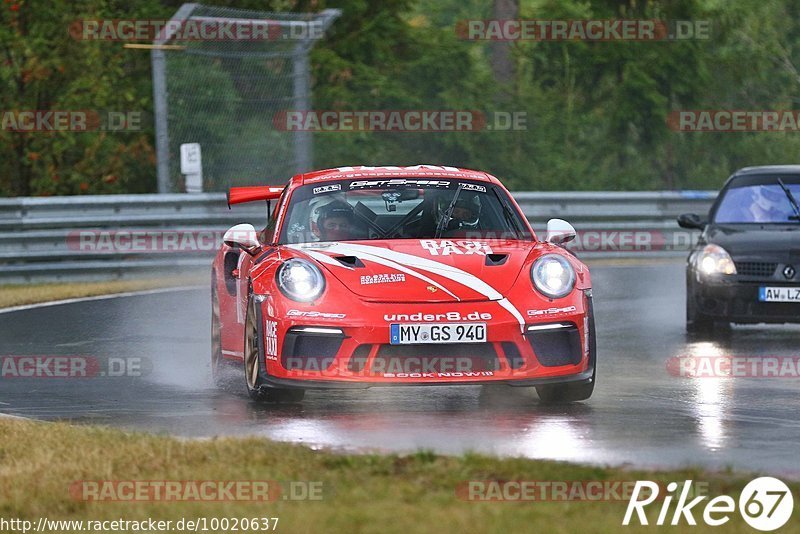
{"x":447,"y":271}
{"x":376,"y":259}
{"x":452,"y":273}
{"x":513,"y":311}
{"x":404,"y":269}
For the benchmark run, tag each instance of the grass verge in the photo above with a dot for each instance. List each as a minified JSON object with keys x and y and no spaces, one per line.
{"x":19,"y":295}
{"x":360,"y":493}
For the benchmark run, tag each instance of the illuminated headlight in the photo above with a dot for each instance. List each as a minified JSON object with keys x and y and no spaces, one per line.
{"x":300,"y":280}
{"x":553,"y":276}
{"x":714,"y":259}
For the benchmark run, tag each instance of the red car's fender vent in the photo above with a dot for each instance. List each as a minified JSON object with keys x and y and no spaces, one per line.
{"x":493,"y":260}
{"x":349,"y":261}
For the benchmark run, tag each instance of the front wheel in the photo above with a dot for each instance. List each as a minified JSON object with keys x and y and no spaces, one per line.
{"x":254,"y":369}
{"x":218,"y":363}
{"x":697,"y":322}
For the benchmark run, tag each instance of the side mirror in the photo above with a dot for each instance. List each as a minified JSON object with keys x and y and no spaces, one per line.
{"x":559,"y":232}
{"x":244,"y":236}
{"x":691,"y":221}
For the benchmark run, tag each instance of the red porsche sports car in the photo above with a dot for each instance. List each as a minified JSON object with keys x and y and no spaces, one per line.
{"x":377,"y":276}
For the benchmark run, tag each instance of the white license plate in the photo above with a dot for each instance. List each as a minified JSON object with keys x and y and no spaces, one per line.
{"x":406,"y":334}
{"x":779,"y":294}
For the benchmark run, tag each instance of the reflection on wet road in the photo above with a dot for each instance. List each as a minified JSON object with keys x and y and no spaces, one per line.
{"x":640,"y":414}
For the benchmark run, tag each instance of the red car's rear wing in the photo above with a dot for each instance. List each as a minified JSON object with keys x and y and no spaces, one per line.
{"x":238,"y":195}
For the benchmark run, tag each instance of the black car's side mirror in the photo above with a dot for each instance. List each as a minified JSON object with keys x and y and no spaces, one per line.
{"x":691,"y":221}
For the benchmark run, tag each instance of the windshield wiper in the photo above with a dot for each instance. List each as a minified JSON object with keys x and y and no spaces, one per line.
{"x":509,"y":215}
{"x":792,"y":201}
{"x":447,"y":214}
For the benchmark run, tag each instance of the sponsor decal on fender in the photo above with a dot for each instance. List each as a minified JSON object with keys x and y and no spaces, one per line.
{"x":464,"y":248}
{"x":552,"y":311}
{"x":383,"y":278}
{"x":315,"y":314}
{"x":271,"y":339}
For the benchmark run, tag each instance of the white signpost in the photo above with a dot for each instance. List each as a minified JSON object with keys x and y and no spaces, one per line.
{"x":192,"y":167}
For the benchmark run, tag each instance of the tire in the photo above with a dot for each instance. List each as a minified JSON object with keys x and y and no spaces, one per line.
{"x":697,"y":322}
{"x":254,"y":371}
{"x":564,"y":393}
{"x":218,"y":363}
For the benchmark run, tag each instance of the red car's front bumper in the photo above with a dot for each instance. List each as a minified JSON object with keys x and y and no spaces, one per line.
{"x":309,"y":350}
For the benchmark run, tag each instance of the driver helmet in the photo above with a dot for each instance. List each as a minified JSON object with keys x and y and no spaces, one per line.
{"x":333,"y":221}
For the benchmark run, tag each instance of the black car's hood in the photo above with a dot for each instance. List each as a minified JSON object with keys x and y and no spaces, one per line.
{"x":757,"y":241}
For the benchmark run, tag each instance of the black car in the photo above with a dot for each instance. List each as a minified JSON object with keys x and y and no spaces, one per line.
{"x":744,"y":269}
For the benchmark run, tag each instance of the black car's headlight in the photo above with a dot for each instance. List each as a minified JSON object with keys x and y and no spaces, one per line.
{"x":553,"y":276}
{"x":714,"y":259}
{"x":300,"y":280}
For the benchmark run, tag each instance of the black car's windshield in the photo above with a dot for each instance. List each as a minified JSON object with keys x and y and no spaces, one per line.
{"x":401,"y":208}
{"x":765,"y":202}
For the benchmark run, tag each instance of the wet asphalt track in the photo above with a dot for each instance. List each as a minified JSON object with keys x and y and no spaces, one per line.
{"x":639,"y":414}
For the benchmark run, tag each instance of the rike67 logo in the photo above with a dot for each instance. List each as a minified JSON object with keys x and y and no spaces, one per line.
{"x":765,"y":504}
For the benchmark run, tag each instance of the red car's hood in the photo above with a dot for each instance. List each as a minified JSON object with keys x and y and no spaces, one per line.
{"x":412,"y":270}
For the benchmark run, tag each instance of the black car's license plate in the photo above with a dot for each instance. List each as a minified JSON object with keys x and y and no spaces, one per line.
{"x":779,"y":294}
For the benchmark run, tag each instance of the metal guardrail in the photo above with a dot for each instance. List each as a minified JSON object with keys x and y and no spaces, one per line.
{"x":40,"y":238}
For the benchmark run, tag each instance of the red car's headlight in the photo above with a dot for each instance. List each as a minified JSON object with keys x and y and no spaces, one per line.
{"x":300,"y":280}
{"x":553,"y":276}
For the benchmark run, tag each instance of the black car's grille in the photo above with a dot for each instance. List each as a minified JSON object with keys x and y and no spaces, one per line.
{"x":756,"y":268}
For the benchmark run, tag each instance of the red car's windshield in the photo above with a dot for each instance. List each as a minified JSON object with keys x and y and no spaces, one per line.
{"x":401,"y":208}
